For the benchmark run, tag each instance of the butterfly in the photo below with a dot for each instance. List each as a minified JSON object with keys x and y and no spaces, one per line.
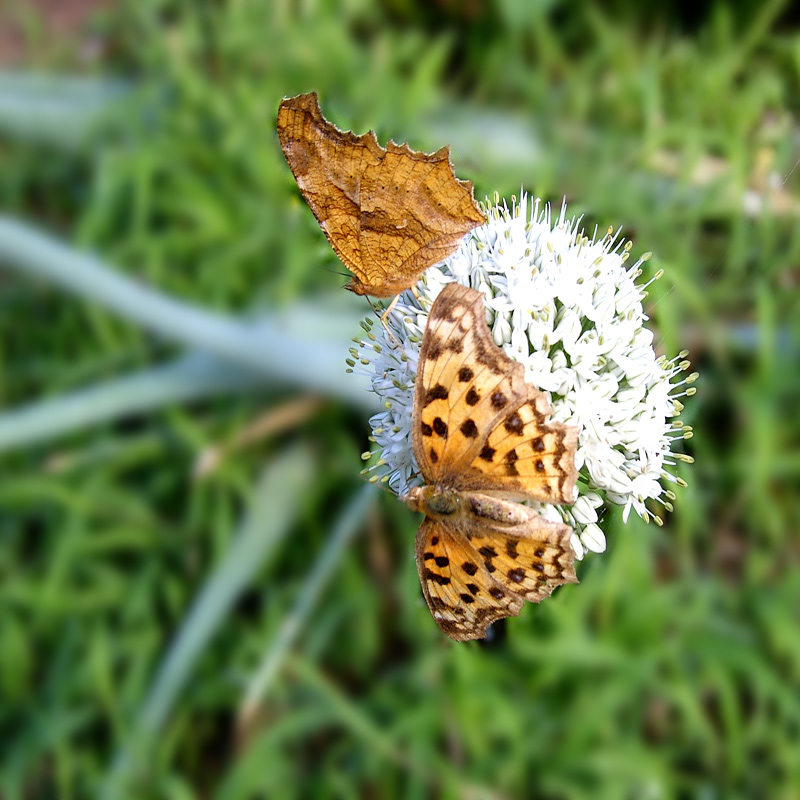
{"x":389,"y":214}
{"x":482,"y":440}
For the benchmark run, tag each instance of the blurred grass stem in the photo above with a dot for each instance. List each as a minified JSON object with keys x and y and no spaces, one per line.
{"x":275,"y":503}
{"x":187,"y":378}
{"x":347,"y":526}
{"x":293,"y":346}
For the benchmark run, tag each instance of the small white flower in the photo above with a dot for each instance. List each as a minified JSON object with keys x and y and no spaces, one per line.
{"x":592,"y":538}
{"x":569,"y":309}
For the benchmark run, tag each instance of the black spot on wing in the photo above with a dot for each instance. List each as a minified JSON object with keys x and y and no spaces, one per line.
{"x":442,"y":580}
{"x":517,"y":575}
{"x":488,"y":553}
{"x":469,"y":567}
{"x":510,"y":459}
{"x":465,"y":374}
{"x":437,"y":392}
{"x":487,"y":454}
{"x":469,"y":429}
{"x":472,"y":398}
{"x":514,"y":424}
{"x":440,"y":426}
{"x":499,"y":400}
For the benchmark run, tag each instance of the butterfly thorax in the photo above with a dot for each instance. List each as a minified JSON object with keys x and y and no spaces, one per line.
{"x":434,"y":501}
{"x":439,"y":501}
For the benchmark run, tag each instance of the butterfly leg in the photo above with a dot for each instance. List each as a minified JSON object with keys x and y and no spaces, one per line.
{"x":389,"y":310}
{"x":384,"y":316}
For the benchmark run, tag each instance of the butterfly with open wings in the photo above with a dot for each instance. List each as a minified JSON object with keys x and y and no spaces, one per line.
{"x":482,"y":439}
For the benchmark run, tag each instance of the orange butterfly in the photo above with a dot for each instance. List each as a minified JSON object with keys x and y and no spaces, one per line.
{"x":481,"y":438}
{"x":388,"y":213}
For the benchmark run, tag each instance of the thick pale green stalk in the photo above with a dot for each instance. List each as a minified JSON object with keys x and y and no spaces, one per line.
{"x":185,"y":379}
{"x":300,"y":346}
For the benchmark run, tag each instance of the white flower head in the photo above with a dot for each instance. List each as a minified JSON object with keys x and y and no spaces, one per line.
{"x":569,"y":309}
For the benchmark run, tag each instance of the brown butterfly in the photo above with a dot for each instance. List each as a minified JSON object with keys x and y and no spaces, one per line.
{"x":388,"y":213}
{"x":481,"y":438}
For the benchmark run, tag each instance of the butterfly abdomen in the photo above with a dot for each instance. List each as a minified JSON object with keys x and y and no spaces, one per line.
{"x":497,"y":510}
{"x":439,"y":501}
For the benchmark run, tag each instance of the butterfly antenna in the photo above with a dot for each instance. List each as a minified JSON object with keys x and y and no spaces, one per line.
{"x":336,"y":272}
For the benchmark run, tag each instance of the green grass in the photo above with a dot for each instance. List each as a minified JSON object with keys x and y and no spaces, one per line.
{"x":148,"y":645}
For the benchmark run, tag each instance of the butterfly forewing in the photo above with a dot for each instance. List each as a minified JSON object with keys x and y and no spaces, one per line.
{"x":465,"y":384}
{"x":526,"y":456}
{"x":478,"y":425}
{"x":330,"y":183}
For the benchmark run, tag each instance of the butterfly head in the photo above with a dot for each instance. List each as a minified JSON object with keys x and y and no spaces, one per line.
{"x":386,"y":288}
{"x":357,"y":287}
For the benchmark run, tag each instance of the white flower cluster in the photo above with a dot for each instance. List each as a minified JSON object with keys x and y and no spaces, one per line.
{"x":570,"y":310}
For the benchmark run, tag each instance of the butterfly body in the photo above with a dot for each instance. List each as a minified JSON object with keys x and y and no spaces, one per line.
{"x":466,"y":508}
{"x":389,"y":213}
{"x":483,"y":441}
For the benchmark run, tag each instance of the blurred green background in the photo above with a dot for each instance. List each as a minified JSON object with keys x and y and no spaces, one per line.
{"x":198,"y":596}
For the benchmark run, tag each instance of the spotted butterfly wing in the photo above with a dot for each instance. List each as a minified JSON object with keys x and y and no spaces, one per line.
{"x":481,"y":436}
{"x":477,"y":424}
{"x":474,"y":570}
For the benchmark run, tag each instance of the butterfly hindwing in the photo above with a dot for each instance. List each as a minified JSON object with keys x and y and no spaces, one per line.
{"x":475,"y":570}
{"x":529,"y":559}
{"x":414,"y":212}
{"x":457,"y":585}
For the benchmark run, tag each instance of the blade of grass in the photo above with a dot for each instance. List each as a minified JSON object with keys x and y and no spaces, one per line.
{"x":275,"y":504}
{"x":435,"y":770}
{"x":56,"y":110}
{"x":343,"y":532}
